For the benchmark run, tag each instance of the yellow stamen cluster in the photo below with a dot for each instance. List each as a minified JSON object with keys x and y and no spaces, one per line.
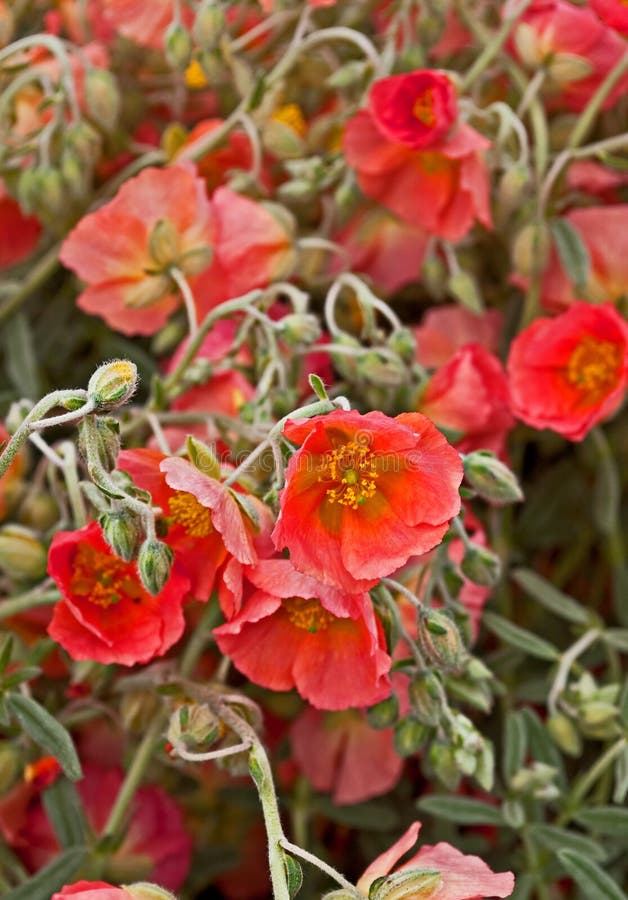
{"x":308,"y":614}
{"x":423,"y":108}
{"x":352,"y":468}
{"x":101,"y":579}
{"x":290,"y":114}
{"x":186,"y":511}
{"x":593,"y":367}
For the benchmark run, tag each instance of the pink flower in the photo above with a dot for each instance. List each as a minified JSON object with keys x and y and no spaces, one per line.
{"x":144,"y":23}
{"x":460,"y":875}
{"x":446,"y":329}
{"x":92,"y":890}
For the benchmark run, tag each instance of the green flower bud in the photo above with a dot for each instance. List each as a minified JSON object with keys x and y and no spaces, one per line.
{"x":410,"y":735}
{"x":348,"y":75}
{"x":299,"y":329}
{"x":154,"y":562}
{"x":510,"y":190}
{"x":464,"y":288}
{"x":195,"y":725}
{"x":208,"y":26}
{"x":283,"y":141}
{"x":408,"y":884}
{"x":442,"y":761}
{"x":493,"y":480}
{"x":441,"y":641}
{"x":123,"y":532}
{"x":383,"y":714}
{"x":37,"y":510}
{"x":178,"y":44}
{"x":530,"y":249}
{"x":381,"y":370}
{"x":112,"y":384}
{"x":107,"y":440}
{"x":403,"y":343}
{"x":82,"y":140}
{"x":424,"y":693}
{"x":102,"y":98}
{"x":564,"y":734}
{"x":22,"y":554}
{"x":481,"y":566}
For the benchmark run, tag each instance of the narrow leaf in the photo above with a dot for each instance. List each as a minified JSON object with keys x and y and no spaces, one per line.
{"x":520,"y":637}
{"x":542,"y":747}
{"x":515,"y":745}
{"x":555,"y":839}
{"x":550,"y":597}
{"x":316,"y":383}
{"x":46,"y":732}
{"x":51,"y":878}
{"x":462,"y":810}
{"x":572,"y":251}
{"x":65,"y":813}
{"x":611,"y":820}
{"x":593,"y":881}
{"x":617,"y":637}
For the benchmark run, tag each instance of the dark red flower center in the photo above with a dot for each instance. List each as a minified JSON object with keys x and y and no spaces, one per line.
{"x":593,"y":367}
{"x":102,"y":579}
{"x":186,"y":511}
{"x":309,"y":615}
{"x":423,"y":108}
{"x":352,"y":470}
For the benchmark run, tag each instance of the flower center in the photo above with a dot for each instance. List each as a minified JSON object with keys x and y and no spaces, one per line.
{"x":352,"y":467}
{"x":308,"y":614}
{"x":186,"y":511}
{"x":593,"y":367}
{"x":423,"y":108}
{"x":102,"y":579}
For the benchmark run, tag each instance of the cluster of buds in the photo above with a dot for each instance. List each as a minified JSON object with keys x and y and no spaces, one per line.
{"x":462,"y":752}
{"x":594,"y":710}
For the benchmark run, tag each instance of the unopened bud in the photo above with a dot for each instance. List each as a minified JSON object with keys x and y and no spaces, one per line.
{"x":18,"y":411}
{"x":178,"y":45}
{"x":102,"y":98}
{"x":441,"y":758}
{"x":350,"y":74}
{"x":142,"y":890}
{"x":481,"y":566}
{"x":597,"y":712}
{"x":208,"y":26}
{"x":434,"y":274}
{"x":510,"y":190}
{"x":38,"y":510}
{"x":299,"y":329}
{"x":381,"y":370}
{"x":112,"y":384}
{"x":195,"y":725}
{"x":491,"y":478}
{"x":74,"y":174}
{"x":465,"y":289}
{"x":22,"y":554}
{"x":412,"y":883}
{"x":441,"y":641}
{"x":154,"y":562}
{"x":164,"y":244}
{"x":383,"y":714}
{"x":409,"y":736}
{"x":530,"y":249}
{"x":425,"y":695}
{"x":403,"y":343}
{"x":84,"y":142}
{"x":106,"y":439}
{"x":50,"y":193}
{"x":297,"y":190}
{"x":564,"y":734}
{"x":123,"y":532}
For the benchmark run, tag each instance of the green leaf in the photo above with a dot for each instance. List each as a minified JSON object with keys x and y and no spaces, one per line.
{"x":51,"y":878}
{"x":65,"y":813}
{"x":520,"y":637}
{"x":617,"y":637}
{"x":294,"y":875}
{"x":25,"y":673}
{"x":371,"y":815}
{"x":572,"y":251}
{"x":462,"y":810}
{"x":621,"y":777}
{"x":515,"y":745}
{"x":611,"y":820}
{"x":554,"y":838}
{"x":606,"y":494}
{"x":316,"y":383}
{"x":550,"y":597}
{"x":593,"y":881}
{"x":542,"y":747}
{"x":5,"y":652}
{"x":47,"y":733}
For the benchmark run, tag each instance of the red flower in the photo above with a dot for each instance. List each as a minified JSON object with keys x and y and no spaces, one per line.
{"x":18,"y":233}
{"x":340,"y":753}
{"x":446,"y":329}
{"x":144,"y":23}
{"x":462,"y":877}
{"x":469,"y":396}
{"x":411,"y":157}
{"x":364,"y":493}
{"x":106,"y":615}
{"x":569,"y":373}
{"x":613,"y":12}
{"x":92,"y":890}
{"x":294,"y":631}
{"x":111,"y":249}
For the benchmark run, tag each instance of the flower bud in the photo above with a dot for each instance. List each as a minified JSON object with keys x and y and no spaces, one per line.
{"x":107,"y":441}
{"x":208,"y":26}
{"x":383,"y":714}
{"x":298,"y":329}
{"x":283,"y":134}
{"x":297,"y":190}
{"x":84,"y":142}
{"x":381,"y":370}
{"x":464,"y":288}
{"x":403,"y":343}
{"x":564,"y":734}
{"x":178,"y":44}
{"x":164,"y":244}
{"x":510,"y":190}
{"x":194,"y":724}
{"x":409,"y":736}
{"x":441,"y":758}
{"x":341,"y":894}
{"x":50,"y":192}
{"x":123,"y":532}
{"x":74,"y":174}
{"x":481,"y":566}
{"x":348,"y":75}
{"x":37,"y":510}
{"x":18,"y":411}
{"x":142,"y":890}
{"x":102,"y":98}
{"x":493,"y":480}
{"x":530,"y":249}
{"x":137,"y":709}
{"x":441,"y":641}
{"x":112,"y":384}
{"x":22,"y":554}
{"x":154,"y":562}
{"x":424,"y":693}
{"x":411,"y":883}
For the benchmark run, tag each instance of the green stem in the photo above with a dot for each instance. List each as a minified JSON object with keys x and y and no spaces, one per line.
{"x":588,"y":779}
{"x":70,"y":474}
{"x":208,"y":141}
{"x":493,"y":47}
{"x":188,"y":298}
{"x":589,"y":113}
{"x":295,"y":850}
{"x":23,"y":602}
{"x":534,"y":866}
{"x":199,"y":637}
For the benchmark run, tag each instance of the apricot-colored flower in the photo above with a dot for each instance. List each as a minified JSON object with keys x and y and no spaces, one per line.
{"x":468,"y":396}
{"x":293,"y":631}
{"x":340,"y":753}
{"x":570,"y":372}
{"x":106,"y":614}
{"x":160,"y":218}
{"x":364,"y":493}
{"x":461,"y":876}
{"x":412,"y":156}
